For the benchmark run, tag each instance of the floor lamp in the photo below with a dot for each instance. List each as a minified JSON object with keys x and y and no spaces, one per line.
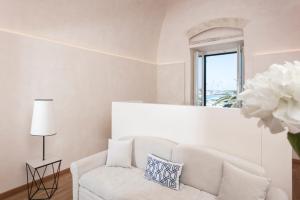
{"x":43,"y":120}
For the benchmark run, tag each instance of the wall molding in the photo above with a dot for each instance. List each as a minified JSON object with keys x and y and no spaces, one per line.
{"x":77,"y":46}
{"x":277,"y":52}
{"x":226,"y":22}
{"x":170,"y":63}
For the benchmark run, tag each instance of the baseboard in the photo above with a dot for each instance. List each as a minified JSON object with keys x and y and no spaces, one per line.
{"x":24,"y":187}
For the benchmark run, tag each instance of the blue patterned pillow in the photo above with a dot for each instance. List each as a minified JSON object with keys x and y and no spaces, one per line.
{"x":163,"y":172}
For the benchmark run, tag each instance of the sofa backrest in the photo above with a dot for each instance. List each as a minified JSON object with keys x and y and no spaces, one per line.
{"x":142,"y":146}
{"x":203,"y":166}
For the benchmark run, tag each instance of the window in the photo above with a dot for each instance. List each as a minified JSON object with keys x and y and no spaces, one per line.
{"x":218,"y":78}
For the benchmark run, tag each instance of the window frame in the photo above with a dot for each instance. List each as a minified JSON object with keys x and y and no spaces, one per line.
{"x":204,"y":55}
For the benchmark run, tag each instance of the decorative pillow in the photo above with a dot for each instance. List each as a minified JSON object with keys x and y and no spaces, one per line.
{"x":238,"y":184}
{"x":119,"y":153}
{"x":163,"y":172}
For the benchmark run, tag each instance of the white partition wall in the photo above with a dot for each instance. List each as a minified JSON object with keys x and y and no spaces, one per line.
{"x":223,"y":129}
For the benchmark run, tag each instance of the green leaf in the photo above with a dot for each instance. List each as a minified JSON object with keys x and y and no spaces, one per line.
{"x":294,"y":140}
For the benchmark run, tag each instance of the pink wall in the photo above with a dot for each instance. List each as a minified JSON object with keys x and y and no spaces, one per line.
{"x":87,"y":53}
{"x":83,"y":84}
{"x":273,"y":26}
{"x":123,"y":27}
{"x":84,"y":54}
{"x":271,"y":36}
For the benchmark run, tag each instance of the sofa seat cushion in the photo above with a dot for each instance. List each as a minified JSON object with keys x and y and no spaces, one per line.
{"x":115,"y":183}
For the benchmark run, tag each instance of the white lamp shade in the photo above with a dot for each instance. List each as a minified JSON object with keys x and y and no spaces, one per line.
{"x":43,"y":118}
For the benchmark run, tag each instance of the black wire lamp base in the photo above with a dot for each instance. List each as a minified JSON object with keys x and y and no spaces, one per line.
{"x":37,"y":186}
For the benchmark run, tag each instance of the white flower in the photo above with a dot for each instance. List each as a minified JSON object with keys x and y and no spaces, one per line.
{"x":274,"y":97}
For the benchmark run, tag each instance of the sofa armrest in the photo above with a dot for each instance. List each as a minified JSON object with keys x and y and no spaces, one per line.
{"x":276,"y":194}
{"x":84,"y":165}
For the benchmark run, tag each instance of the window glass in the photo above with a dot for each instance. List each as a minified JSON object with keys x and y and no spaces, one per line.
{"x":218,"y":79}
{"x":221,"y":80}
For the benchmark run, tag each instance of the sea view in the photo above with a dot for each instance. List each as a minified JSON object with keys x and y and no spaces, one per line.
{"x":220,"y":98}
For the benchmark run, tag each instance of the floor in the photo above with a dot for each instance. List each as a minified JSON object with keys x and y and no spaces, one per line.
{"x":64,"y":191}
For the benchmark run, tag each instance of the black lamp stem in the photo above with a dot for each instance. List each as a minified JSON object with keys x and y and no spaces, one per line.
{"x":43,"y":147}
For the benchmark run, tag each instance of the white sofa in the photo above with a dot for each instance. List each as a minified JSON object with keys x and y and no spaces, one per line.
{"x":200,"y":178}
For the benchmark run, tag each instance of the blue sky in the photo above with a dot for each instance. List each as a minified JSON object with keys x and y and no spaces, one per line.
{"x":221,"y":72}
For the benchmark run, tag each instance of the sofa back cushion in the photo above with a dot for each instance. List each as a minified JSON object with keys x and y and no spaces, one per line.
{"x":142,"y":146}
{"x":203,"y":166}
